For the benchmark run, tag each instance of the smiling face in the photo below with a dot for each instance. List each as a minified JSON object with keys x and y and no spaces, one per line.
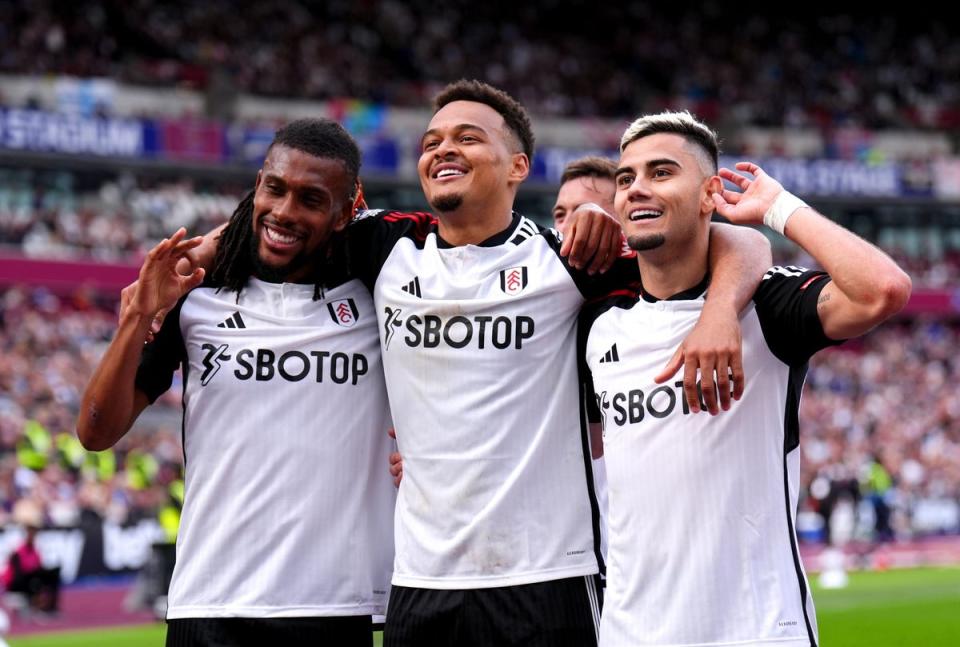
{"x":663,"y":192}
{"x":299,"y":201}
{"x":468,"y":155}
{"x":581,"y":190}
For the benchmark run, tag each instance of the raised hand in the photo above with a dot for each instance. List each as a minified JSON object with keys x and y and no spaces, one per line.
{"x":747,"y":206}
{"x":160,"y":285}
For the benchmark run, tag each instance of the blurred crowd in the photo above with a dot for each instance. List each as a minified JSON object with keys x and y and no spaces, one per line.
{"x":48,"y":348}
{"x":115,"y":220}
{"x":880,"y":426}
{"x":802,"y":68}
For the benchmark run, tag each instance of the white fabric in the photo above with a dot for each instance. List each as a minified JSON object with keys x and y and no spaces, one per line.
{"x":494,"y":487}
{"x":289,"y":503}
{"x":700,"y":519}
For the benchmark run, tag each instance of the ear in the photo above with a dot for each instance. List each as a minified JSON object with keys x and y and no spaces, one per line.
{"x":345,"y":215}
{"x":256,"y":185}
{"x":714,"y":184}
{"x":519,"y":167}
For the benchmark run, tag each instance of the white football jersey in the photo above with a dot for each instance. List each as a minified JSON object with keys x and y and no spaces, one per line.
{"x":479,"y":353}
{"x":702,"y":547}
{"x":288,"y":506}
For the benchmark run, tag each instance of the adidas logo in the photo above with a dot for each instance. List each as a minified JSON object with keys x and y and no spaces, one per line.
{"x":611,"y":355}
{"x":233,"y":321}
{"x":413,"y":287}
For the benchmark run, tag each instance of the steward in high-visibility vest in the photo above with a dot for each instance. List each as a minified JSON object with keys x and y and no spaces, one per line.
{"x":169,"y":514}
{"x":141,"y":469}
{"x":34,"y":446}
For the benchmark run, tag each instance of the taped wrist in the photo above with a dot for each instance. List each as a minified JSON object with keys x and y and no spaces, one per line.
{"x":781,"y":210}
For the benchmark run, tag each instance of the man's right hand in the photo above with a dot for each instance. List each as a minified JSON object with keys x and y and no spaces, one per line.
{"x":160,"y":285}
{"x":396,"y":462}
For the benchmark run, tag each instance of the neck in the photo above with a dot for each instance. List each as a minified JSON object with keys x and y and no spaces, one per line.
{"x":666,"y":272}
{"x":473,"y":224}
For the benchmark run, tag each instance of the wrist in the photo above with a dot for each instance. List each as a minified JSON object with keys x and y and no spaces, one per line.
{"x":137,"y":319}
{"x":720,"y":305}
{"x":784,"y":206}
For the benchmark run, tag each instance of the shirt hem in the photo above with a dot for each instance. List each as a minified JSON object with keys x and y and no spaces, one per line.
{"x":183,"y":612}
{"x":755,"y":642}
{"x":492,"y":581}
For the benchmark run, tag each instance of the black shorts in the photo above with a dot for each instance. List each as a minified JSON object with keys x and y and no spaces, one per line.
{"x":558,"y":613}
{"x":345,"y":631}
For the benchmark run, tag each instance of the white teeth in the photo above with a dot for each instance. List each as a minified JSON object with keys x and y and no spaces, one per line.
{"x":645,"y":213}
{"x":447,"y":172}
{"x":277,"y":237}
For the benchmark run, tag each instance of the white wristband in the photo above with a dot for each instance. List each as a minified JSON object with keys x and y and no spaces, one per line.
{"x":782,"y":208}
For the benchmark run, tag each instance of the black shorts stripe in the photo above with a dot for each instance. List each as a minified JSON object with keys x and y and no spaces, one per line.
{"x":592,"y":583}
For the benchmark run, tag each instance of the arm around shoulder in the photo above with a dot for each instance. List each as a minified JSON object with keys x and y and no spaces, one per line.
{"x":738,"y":258}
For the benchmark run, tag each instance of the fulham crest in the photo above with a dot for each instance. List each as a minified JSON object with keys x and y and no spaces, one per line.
{"x":343,"y":312}
{"x":513,"y":280}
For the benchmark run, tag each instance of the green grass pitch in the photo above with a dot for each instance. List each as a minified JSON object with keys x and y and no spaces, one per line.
{"x":900,"y":608}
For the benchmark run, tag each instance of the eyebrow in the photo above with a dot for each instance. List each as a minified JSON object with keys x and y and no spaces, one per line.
{"x":665,"y":161}
{"x":457,"y":128}
{"x":307,"y":189}
{"x":269,"y":175}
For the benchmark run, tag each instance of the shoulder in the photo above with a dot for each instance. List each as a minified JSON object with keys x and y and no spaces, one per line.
{"x":526,"y":229}
{"x":784,"y":280}
{"x":381,"y":226}
{"x":622,"y":298}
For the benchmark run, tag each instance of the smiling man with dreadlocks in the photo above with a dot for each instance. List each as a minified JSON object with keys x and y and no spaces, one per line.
{"x":286,"y":535}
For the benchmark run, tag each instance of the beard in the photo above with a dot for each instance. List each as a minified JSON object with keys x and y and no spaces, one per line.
{"x":644,"y":243}
{"x":447,"y":203}
{"x":273,"y":273}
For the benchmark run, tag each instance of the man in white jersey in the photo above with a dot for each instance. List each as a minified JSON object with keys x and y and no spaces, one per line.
{"x":286,"y":531}
{"x":477,"y":310}
{"x":584,"y":182}
{"x":702,"y":510}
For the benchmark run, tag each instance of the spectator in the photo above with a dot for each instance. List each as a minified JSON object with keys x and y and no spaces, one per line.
{"x":24,"y":571}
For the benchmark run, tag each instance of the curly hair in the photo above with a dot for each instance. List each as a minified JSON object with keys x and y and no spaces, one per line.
{"x":514,"y":115}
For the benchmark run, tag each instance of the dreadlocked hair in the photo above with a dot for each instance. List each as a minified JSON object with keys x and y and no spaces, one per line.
{"x":232,"y":265}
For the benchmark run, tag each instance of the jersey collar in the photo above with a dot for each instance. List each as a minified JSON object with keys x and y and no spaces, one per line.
{"x":495,"y":240}
{"x":686,"y":295}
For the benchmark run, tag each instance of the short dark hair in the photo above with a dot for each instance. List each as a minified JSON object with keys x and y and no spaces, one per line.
{"x":514,"y":115}
{"x":322,"y":138}
{"x":678,"y":123}
{"x":589,"y":166}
